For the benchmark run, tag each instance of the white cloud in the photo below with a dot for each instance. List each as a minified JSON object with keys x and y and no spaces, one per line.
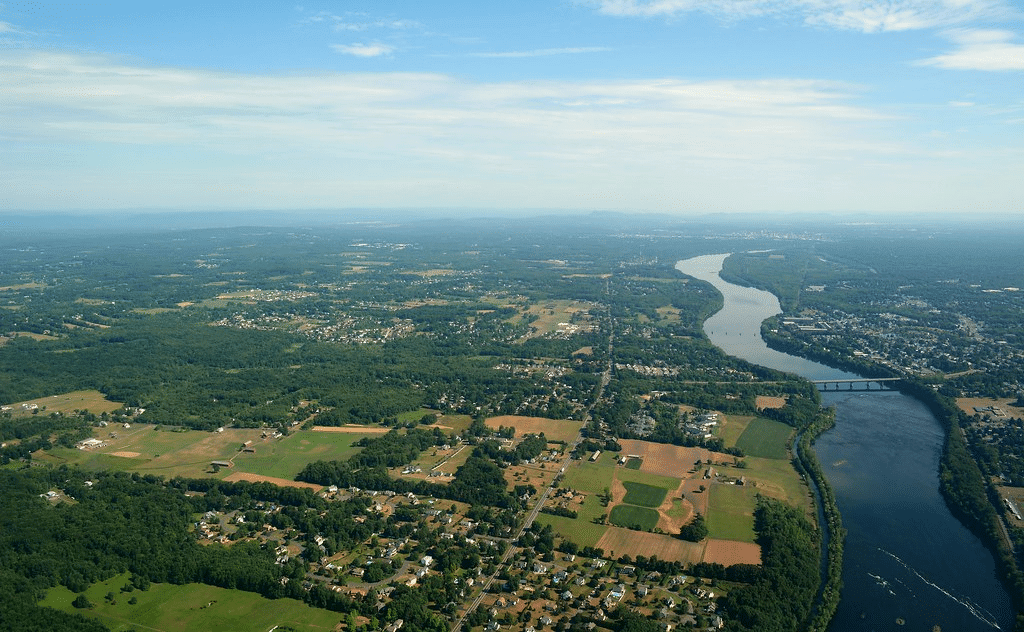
{"x":7,"y":27}
{"x":868,"y":16}
{"x":980,"y":49}
{"x":113,"y":134}
{"x":364,"y":50}
{"x":544,"y":52}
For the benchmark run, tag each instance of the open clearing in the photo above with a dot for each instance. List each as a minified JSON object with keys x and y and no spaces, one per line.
{"x":643,"y":495}
{"x":765,"y":438}
{"x":632,"y":516}
{"x":668,"y":460}
{"x":729,"y":552}
{"x":731,"y":515}
{"x":767,"y":401}
{"x":617,"y":542}
{"x":352,"y":429}
{"x":280,"y":482}
{"x":170,"y":608}
{"x":553,"y":429}
{"x":93,"y":401}
{"x":968,"y":404}
{"x":167,"y":453}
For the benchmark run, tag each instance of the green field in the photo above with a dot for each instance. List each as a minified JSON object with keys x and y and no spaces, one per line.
{"x":66,"y":403}
{"x":730,"y":427}
{"x":630,"y":516}
{"x":765,"y":438}
{"x":731,"y":513}
{"x":285,"y":457}
{"x":644,"y":495}
{"x":647,"y":478}
{"x":168,"y":453}
{"x":170,"y":608}
{"x":581,"y":531}
{"x":589,"y":477}
{"x":634,"y":463}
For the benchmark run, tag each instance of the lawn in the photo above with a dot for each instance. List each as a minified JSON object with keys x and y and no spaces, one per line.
{"x":643,"y":495}
{"x":765,"y":438}
{"x":731,"y":516}
{"x":630,"y":516}
{"x":170,"y":608}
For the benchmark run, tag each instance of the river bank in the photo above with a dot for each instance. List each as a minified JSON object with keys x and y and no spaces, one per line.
{"x":910,"y":562}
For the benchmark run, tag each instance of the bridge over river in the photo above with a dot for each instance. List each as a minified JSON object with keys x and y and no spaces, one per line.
{"x":851,"y":383}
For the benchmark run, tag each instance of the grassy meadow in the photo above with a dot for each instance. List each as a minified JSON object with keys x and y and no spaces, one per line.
{"x":170,"y":608}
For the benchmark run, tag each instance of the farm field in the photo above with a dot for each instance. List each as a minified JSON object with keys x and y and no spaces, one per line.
{"x":166,"y":453}
{"x":765,"y":438}
{"x":285,"y":457}
{"x":631,"y":515}
{"x":584,"y":531}
{"x":644,"y":495}
{"x":617,"y":542}
{"x":93,"y":401}
{"x":553,"y":429}
{"x":731,"y":427}
{"x":731,"y":515}
{"x":170,"y":608}
{"x":777,"y":479}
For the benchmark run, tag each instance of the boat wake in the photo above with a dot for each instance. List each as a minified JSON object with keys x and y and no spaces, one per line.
{"x":980,"y":613}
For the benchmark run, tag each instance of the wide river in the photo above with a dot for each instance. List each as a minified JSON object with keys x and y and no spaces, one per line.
{"x":909,"y":565}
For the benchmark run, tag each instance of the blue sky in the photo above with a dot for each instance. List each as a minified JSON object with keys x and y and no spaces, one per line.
{"x":678,"y":106}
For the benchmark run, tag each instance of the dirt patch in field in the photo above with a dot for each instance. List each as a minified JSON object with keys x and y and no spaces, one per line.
{"x":766,"y":401}
{"x":617,"y":541}
{"x":968,"y":404}
{"x":668,"y":460}
{"x":280,"y":482}
{"x":667,"y":522}
{"x":697,"y":499}
{"x":125,"y":454}
{"x":352,"y":429}
{"x":729,"y":552}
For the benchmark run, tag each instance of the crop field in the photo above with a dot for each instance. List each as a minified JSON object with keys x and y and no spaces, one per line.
{"x":731,"y":515}
{"x":630,"y":516}
{"x":634,"y":463}
{"x":553,"y":429}
{"x":644,"y":495}
{"x":667,"y":460}
{"x":584,"y":532}
{"x":731,"y":427}
{"x":618,"y":541}
{"x":765,"y":438}
{"x":170,"y":608}
{"x":93,"y":401}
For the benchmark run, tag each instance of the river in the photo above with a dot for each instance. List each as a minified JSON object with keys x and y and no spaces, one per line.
{"x":908,"y":564}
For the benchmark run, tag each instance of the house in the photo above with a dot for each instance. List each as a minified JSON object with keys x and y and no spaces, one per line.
{"x":426,"y":560}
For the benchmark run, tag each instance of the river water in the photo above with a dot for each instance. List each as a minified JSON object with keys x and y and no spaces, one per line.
{"x":909,"y":565}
